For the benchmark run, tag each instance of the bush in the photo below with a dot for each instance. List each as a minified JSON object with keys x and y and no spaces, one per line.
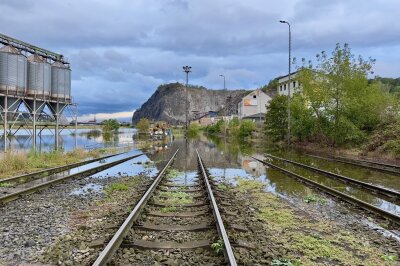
{"x":193,"y":130}
{"x":246,"y":128}
{"x":143,"y":125}
{"x":110,"y":125}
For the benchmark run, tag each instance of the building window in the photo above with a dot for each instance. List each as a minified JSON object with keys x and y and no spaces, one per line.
{"x":254,"y":96}
{"x":285,"y":86}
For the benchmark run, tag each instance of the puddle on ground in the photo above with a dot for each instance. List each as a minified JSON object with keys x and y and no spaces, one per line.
{"x":87,"y":189}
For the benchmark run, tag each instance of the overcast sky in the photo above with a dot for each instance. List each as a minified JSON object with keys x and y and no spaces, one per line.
{"x":121,"y":50}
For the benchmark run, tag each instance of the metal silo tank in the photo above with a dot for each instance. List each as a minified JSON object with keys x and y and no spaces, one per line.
{"x":13,"y":71}
{"x":60,"y":81}
{"x":39,"y":76}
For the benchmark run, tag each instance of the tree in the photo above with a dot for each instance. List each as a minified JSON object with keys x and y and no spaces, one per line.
{"x":143,"y":125}
{"x":110,"y":125}
{"x":336,"y":90}
{"x":276,"y":118}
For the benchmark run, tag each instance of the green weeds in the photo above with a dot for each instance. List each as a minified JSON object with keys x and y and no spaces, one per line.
{"x":314,"y":199}
{"x":169,"y":209}
{"x":387,"y":257}
{"x":176,"y":198}
{"x":116,"y":187}
{"x":218,"y":246}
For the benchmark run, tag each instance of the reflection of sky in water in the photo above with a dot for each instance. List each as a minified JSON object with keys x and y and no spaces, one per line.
{"x":130,"y":168}
{"x":185,"y":179}
{"x":87,"y":189}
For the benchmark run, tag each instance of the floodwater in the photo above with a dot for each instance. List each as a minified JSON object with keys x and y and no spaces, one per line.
{"x":228,"y":162}
{"x":84,"y":138}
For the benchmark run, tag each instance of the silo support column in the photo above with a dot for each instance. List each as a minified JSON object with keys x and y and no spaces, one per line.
{"x":34,"y":124}
{"x":57,"y":125}
{"x":5,"y":122}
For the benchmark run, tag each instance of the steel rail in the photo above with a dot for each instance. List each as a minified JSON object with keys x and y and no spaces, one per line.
{"x":357,"y":163}
{"x":368,"y":186}
{"x":220,"y":224}
{"x":33,"y":189}
{"x":349,"y":199}
{"x":112,"y":246}
{"x":56,"y":169}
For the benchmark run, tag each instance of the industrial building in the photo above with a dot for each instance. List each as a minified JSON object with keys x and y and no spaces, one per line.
{"x":283,"y":84}
{"x":254,"y":106}
{"x":35,"y":89}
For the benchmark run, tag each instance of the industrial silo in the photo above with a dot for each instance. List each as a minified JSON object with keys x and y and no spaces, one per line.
{"x":60,"y":81}
{"x":39,"y":77}
{"x":13,"y":69}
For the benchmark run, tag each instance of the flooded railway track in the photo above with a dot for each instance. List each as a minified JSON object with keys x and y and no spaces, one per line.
{"x":391,"y":194}
{"x":336,"y":193}
{"x":50,"y":171}
{"x":377,"y":166}
{"x":183,"y":219}
{"x":36,"y":187}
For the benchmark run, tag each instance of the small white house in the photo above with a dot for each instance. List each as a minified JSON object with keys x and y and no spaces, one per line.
{"x":283,"y":84}
{"x":253,"y":106}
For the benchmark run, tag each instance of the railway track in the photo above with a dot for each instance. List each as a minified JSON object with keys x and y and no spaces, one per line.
{"x":50,"y":171}
{"x":171,"y":217}
{"x":337,"y":194}
{"x":32,"y":189}
{"x":392,"y":194}
{"x":377,"y":166}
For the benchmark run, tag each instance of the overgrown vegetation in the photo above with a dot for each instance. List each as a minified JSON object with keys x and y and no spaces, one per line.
{"x":193,"y":130}
{"x":337,"y":105}
{"x":238,"y":129}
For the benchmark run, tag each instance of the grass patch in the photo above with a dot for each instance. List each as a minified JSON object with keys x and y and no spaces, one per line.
{"x":277,"y":218}
{"x":175,"y":198}
{"x":246,"y":185}
{"x":5,"y":184}
{"x":314,"y":199}
{"x":116,"y":187}
{"x":172,"y":173}
{"x":222,"y":187}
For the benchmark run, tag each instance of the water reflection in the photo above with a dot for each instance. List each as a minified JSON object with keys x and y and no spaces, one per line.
{"x":87,"y":138}
{"x":229,"y":161}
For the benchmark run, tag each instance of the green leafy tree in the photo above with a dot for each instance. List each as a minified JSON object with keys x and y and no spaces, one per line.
{"x":336,"y":89}
{"x":143,"y":125}
{"x":110,"y":125}
{"x":276,"y":118}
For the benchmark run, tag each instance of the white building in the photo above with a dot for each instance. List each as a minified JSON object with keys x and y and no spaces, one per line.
{"x":283,"y":84}
{"x":253,"y":106}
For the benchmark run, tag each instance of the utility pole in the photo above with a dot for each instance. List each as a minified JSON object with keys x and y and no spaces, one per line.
{"x":187,"y":70}
{"x":226,"y":107}
{"x":289,"y":77}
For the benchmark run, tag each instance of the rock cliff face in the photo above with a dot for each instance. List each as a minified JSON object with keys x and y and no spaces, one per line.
{"x":168,"y":103}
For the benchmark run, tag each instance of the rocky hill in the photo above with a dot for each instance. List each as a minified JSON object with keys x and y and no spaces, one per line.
{"x":168,"y":103}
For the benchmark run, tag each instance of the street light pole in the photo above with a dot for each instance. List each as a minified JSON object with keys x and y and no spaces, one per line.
{"x":226,"y":107}
{"x":289,"y":77}
{"x":187,"y":70}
